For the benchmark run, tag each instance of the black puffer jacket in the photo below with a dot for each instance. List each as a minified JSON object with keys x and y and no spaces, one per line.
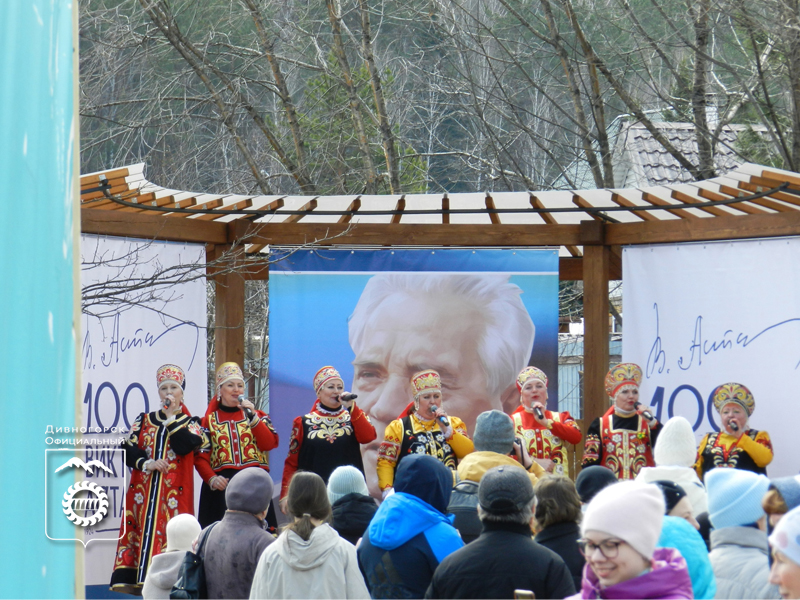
{"x":503,"y":559}
{"x":562,"y":538}
{"x":351,"y":515}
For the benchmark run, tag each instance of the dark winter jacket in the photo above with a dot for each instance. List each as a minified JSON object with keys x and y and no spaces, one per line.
{"x":410,"y":534}
{"x":503,"y":559}
{"x":231,"y":554}
{"x":351,"y":515}
{"x":562,"y":538}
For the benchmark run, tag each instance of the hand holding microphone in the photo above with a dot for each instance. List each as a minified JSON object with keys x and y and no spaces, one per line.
{"x":644,"y":412}
{"x":250,"y":414}
{"x":347,"y":399}
{"x":442,"y":417}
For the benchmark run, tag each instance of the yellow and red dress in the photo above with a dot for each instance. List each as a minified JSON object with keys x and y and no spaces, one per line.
{"x":153,"y":498}
{"x":412,"y":435}
{"x":325,"y":439}
{"x":751,"y":452}
{"x":547,"y":443}
{"x":623,"y":443}
{"x":233,"y":444}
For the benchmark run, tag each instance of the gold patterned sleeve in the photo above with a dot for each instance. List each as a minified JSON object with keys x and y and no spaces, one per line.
{"x":460,"y":442}
{"x":759,"y":449}
{"x":388,"y":453}
{"x":698,"y":466}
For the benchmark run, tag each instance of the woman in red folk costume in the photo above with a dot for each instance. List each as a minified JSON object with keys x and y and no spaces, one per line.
{"x":545,"y":435}
{"x":160,"y":450}
{"x":736,"y":445}
{"x":623,"y":438}
{"x":329,"y":436}
{"x":239,"y":437}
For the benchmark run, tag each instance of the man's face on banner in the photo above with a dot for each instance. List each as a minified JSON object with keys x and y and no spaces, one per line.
{"x":406,"y":334}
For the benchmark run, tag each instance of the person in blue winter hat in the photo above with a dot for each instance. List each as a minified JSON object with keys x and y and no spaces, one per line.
{"x":739,"y":550}
{"x":410,"y":534}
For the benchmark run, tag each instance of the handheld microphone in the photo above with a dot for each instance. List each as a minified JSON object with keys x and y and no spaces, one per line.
{"x":443,"y":420}
{"x":250,"y":414}
{"x":733,"y":425}
{"x":645,"y":413}
{"x":538,"y":412}
{"x":348,"y":397}
{"x":167,"y":401}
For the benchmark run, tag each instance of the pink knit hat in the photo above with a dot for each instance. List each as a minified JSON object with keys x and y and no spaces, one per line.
{"x":630,"y":511}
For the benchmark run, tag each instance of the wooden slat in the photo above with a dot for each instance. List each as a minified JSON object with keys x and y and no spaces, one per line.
{"x":309,"y":206}
{"x":550,"y":220}
{"x":596,"y":267}
{"x":687,"y":199}
{"x":108,"y":222}
{"x":400,"y":234}
{"x":193,"y":203}
{"x":89,"y":180}
{"x":445,"y":209}
{"x":247,"y":203}
{"x":759,"y":184}
{"x":656,"y":201}
{"x":782,"y":177}
{"x":742,"y":206}
{"x":401,"y":206}
{"x":698,"y":230}
{"x":493,"y":217}
{"x":354,"y":206}
{"x":642,"y":214}
{"x":766,"y":201}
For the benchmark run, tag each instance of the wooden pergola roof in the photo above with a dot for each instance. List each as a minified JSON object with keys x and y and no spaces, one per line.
{"x":588,"y":226}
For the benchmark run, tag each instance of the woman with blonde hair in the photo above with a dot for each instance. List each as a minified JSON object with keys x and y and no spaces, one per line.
{"x":309,"y":559}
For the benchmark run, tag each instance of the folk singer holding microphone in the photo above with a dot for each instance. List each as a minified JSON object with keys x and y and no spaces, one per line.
{"x":329,"y":436}
{"x":423,"y":428}
{"x":239,"y":438}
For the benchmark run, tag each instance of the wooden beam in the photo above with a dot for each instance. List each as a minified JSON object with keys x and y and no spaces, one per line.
{"x":700,"y":230}
{"x":493,"y":216}
{"x":228,"y":305}
{"x":152,"y":227}
{"x":424,"y":234}
{"x":354,"y":206}
{"x":596,"y":263}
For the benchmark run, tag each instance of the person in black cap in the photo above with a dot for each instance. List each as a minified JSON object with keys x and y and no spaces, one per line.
{"x":678,"y":504}
{"x":591,"y":480}
{"x":504,"y":558}
{"x":235,"y":544}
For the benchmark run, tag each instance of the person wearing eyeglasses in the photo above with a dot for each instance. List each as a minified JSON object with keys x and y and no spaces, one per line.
{"x":619,"y":545}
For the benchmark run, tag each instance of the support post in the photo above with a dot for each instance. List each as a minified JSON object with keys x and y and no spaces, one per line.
{"x":228,"y":303}
{"x":596,"y":265}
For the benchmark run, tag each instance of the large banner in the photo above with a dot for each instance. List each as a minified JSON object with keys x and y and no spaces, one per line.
{"x":132,"y":330}
{"x":378,"y":316}
{"x":700,"y":315}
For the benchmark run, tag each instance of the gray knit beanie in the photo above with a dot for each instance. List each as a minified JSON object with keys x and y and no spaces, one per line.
{"x":346,"y":480}
{"x":494,"y":432}
{"x":250,"y":490}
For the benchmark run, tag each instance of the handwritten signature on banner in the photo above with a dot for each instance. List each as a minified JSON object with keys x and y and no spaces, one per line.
{"x":116,"y":345}
{"x":700,"y":346}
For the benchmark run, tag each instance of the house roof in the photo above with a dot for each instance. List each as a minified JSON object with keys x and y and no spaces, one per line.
{"x":641,"y":160}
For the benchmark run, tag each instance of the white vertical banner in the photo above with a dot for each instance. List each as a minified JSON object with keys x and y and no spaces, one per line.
{"x":700,"y":315}
{"x":144,"y":306}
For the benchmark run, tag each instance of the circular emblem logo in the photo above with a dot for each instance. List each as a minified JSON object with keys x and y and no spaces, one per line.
{"x":85,"y":503}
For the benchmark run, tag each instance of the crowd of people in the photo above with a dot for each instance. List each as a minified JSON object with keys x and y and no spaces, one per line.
{"x":494,"y":515}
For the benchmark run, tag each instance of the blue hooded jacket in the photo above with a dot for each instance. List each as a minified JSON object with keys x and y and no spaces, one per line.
{"x":410,"y":534}
{"x":678,"y":533}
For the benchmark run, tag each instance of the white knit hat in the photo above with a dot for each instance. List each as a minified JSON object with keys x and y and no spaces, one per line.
{"x":786,"y":537}
{"x":629,"y":510}
{"x":182,"y":530}
{"x":346,"y":480}
{"x":676,"y":446}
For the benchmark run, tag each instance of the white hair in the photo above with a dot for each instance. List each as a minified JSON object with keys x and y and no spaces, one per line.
{"x":505,"y":346}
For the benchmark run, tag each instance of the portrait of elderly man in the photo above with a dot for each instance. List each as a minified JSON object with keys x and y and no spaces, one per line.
{"x":473,"y":329}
